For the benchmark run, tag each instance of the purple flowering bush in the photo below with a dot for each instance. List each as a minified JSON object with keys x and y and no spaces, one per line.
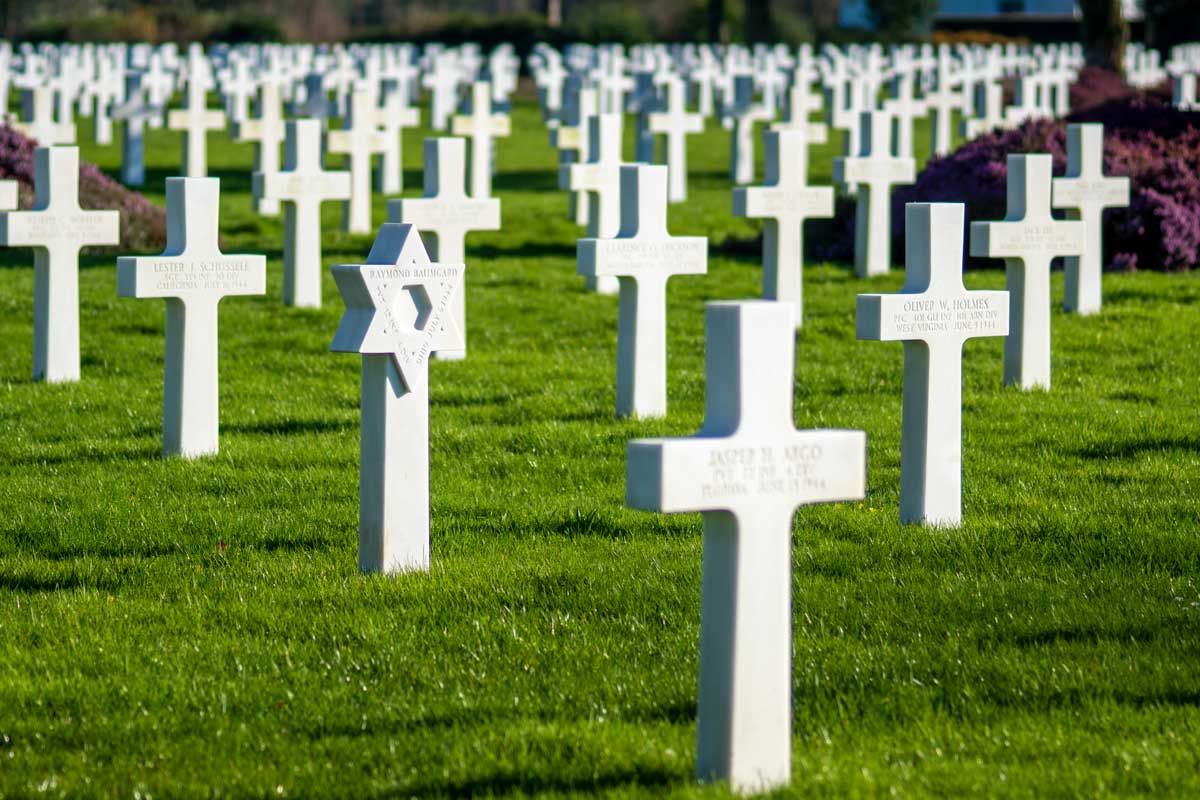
{"x":1155,"y":145}
{"x":143,"y":224}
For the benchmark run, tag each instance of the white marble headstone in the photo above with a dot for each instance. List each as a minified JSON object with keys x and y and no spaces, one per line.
{"x":57,"y":228}
{"x":446,"y":214}
{"x":1028,"y":239}
{"x":1085,"y":192}
{"x":193,"y":275}
{"x":747,"y":471}
{"x":302,"y":186}
{"x":933,"y":315}
{"x":398,"y":312}
{"x":785,"y":202}
{"x":643,"y":256}
{"x":874,"y":171}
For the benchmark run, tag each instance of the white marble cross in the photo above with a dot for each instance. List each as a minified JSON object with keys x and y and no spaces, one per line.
{"x":741,"y":145}
{"x":480,"y":126}
{"x":904,"y":108}
{"x":302,"y":185}
{"x":802,"y":102}
{"x":57,"y":228}
{"x":933,"y":315}
{"x":989,"y":110}
{"x":1028,"y":239}
{"x":195,"y":119}
{"x":747,"y":471}
{"x":785,"y":202}
{"x":447,"y":214}
{"x":393,"y":117}
{"x":600,"y":178}
{"x":266,"y":131}
{"x":675,"y":123}
{"x":41,"y":124}
{"x":359,"y":140}
{"x":192,"y":274}
{"x":943,"y":101}
{"x":643,"y":256}
{"x":397,"y":314}
{"x":1085,"y":192}
{"x":571,"y":139}
{"x":875,"y":171}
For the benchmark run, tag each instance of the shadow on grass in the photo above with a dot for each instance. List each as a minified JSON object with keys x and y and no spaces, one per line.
{"x":587,"y":524}
{"x":45,"y":584}
{"x":1131,"y":448}
{"x":290,"y":427}
{"x":526,"y":180}
{"x":526,"y":250}
{"x":502,"y":784}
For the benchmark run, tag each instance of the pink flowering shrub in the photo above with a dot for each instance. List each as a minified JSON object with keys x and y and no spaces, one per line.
{"x":143,"y":224}
{"x":1154,"y":144}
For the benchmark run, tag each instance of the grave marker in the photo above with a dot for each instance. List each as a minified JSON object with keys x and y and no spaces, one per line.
{"x":1085,"y":192}
{"x":643,"y":256}
{"x":57,"y":228}
{"x":747,"y":471}
{"x":600,"y":178}
{"x":195,"y":119}
{"x":874,"y":171}
{"x":447,"y":214}
{"x":933,"y":315}
{"x":675,"y":123}
{"x":266,"y":131}
{"x":784,"y":202}
{"x":397,"y":314}
{"x":192,"y":275}
{"x":481,"y":126}
{"x":302,"y":185}
{"x":1028,"y":239}
{"x":359,"y":140}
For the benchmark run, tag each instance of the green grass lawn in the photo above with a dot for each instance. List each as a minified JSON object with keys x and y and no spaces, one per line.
{"x":172,"y":629}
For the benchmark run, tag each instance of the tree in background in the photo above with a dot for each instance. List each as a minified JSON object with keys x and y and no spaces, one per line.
{"x":1104,"y":33}
{"x":717,"y":31}
{"x":1171,"y":22}
{"x":758,"y":21}
{"x":901,"y":19}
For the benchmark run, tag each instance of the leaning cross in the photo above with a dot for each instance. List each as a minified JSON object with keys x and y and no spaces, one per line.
{"x":1085,"y":192}
{"x":747,"y":471}
{"x":1028,"y":239}
{"x":481,"y":126}
{"x":192,"y":274}
{"x":643,"y":256}
{"x":397,"y":314}
{"x":57,"y":228}
{"x":933,"y":315}
{"x":446,"y":212}
{"x":302,"y":185}
{"x":785,"y":202}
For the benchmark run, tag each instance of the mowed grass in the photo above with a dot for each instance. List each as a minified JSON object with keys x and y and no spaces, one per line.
{"x":173,"y":629}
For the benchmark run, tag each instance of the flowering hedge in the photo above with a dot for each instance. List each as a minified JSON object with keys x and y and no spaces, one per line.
{"x":1154,"y":144}
{"x":143,"y":224}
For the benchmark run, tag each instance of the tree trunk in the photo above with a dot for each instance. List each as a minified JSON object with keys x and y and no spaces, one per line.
{"x":758,"y":21}
{"x":554,"y":13}
{"x":716,"y":20}
{"x":1104,"y":33}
